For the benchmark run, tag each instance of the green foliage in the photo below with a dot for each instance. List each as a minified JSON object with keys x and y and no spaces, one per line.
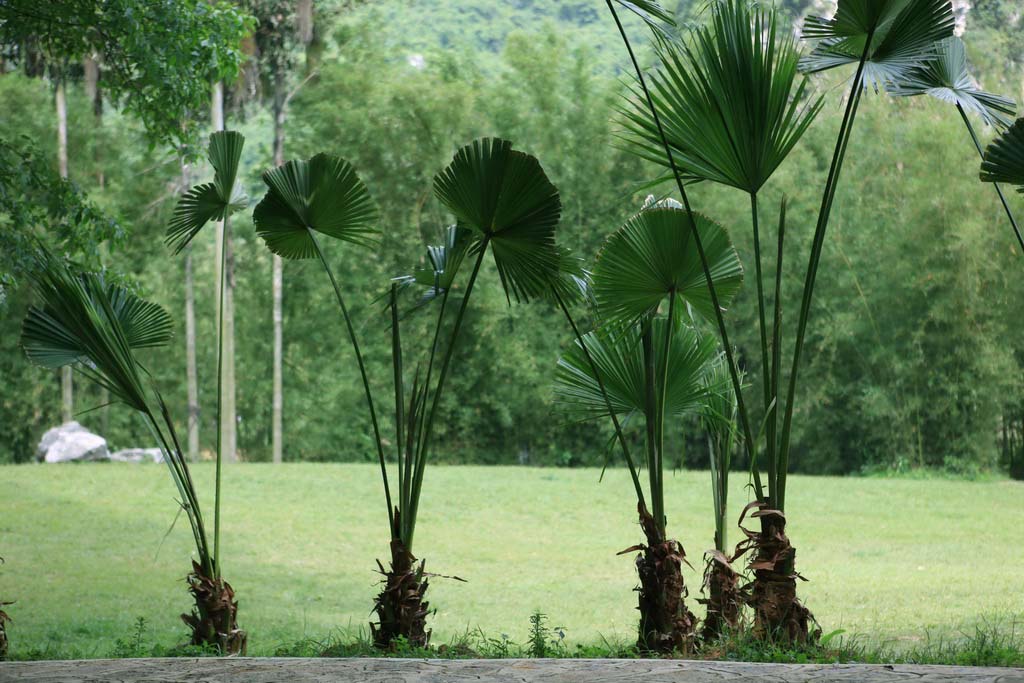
{"x":158,"y":57}
{"x":36,"y":203}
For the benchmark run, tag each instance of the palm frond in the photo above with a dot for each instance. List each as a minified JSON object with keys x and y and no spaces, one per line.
{"x":322,"y":194}
{"x":504,"y":196}
{"x":210,"y":201}
{"x":903,"y":36}
{"x":1004,"y":158}
{"x":945,"y":77}
{"x":616,"y":352}
{"x":730,"y":99}
{"x":654,"y":256}
{"x":86,"y":321}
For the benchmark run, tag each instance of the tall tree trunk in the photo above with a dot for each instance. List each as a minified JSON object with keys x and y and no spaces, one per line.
{"x":191,"y":371}
{"x":228,"y":425}
{"x":67,"y":394}
{"x":277,"y":418}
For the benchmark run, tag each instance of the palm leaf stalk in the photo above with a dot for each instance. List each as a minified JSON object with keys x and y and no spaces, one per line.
{"x":945,"y":77}
{"x":214,"y":201}
{"x":721,"y":581}
{"x":638,"y":363}
{"x":96,"y":326}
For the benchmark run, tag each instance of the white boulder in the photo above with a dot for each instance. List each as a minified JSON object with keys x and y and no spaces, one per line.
{"x":71,"y":442}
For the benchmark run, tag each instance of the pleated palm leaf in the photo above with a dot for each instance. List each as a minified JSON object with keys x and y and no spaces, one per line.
{"x":97,"y":327}
{"x":946,"y":78}
{"x":1003,"y":161}
{"x":885,"y":39}
{"x":630,"y":367}
{"x":731,"y":100}
{"x":213,"y":201}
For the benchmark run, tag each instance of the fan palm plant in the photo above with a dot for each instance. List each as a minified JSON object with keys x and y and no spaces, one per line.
{"x":640,"y":363}
{"x":885,"y":39}
{"x":721,"y":581}
{"x":214,"y":201}
{"x":946,"y":78}
{"x":504,"y":205}
{"x":96,"y":326}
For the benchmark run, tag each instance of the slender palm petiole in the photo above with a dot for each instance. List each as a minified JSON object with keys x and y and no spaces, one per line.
{"x":777,"y":493}
{"x":607,"y":400}
{"x":220,"y":395}
{"x":362,"y":373}
{"x":442,"y":376}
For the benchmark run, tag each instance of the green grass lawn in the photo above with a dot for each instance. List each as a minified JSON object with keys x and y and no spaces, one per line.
{"x":86,"y":554}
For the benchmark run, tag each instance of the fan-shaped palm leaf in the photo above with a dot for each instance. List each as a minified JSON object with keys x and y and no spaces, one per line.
{"x":49,"y":343}
{"x":210,"y":201}
{"x":617,"y":353}
{"x":902,"y":35}
{"x":323,"y":194}
{"x":652,"y":257}
{"x":945,"y":77}
{"x":729,"y":99}
{"x":1004,"y":158}
{"x":504,"y":196}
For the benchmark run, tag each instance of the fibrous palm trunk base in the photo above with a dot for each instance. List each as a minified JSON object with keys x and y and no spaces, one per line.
{"x":3,"y":630}
{"x":400,"y":607}
{"x":778,"y":613}
{"x":214,"y":619}
{"x":723,"y":601}
{"x":666,"y":625}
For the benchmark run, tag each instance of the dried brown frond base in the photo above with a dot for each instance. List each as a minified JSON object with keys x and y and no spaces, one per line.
{"x":666,"y":625}
{"x":214,"y":619}
{"x":4,"y":619}
{"x":778,"y":613}
{"x":724,"y":599}
{"x":400,"y":607}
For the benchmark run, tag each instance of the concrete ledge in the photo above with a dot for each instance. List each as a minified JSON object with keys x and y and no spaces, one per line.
{"x":279,"y":670}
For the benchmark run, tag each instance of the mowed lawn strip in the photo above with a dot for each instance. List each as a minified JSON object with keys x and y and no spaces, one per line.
{"x":87,"y":551}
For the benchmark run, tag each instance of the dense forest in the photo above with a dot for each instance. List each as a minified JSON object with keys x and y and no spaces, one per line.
{"x":914,"y":360}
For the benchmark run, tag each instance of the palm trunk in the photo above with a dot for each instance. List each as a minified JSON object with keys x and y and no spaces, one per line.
{"x":214,"y":619}
{"x":191,"y":369}
{"x":666,"y":625}
{"x":277,"y":286}
{"x":66,"y":390}
{"x":721,"y":584}
{"x":4,"y":619}
{"x":400,"y":608}
{"x":778,"y":613}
